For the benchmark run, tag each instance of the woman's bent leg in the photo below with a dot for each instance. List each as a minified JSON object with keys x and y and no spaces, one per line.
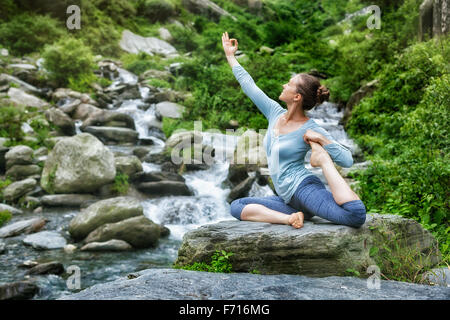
{"x":262,"y":209}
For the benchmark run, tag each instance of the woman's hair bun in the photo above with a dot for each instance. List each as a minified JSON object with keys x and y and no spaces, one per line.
{"x":323,"y":94}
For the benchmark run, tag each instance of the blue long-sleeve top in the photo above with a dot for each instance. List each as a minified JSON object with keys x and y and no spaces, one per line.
{"x":286,"y":152}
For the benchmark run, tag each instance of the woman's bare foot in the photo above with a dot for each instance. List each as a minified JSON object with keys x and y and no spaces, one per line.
{"x":318,"y":155}
{"x":296,"y":220}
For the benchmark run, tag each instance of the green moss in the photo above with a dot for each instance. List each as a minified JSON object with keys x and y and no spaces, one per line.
{"x":220,"y":262}
{"x":5,"y":216}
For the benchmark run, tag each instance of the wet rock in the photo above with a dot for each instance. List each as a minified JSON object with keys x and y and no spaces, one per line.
{"x":66,"y":94}
{"x":61,"y":120}
{"x":134,"y":43}
{"x":18,"y":189}
{"x":19,"y":155}
{"x":140,"y":232}
{"x":241,"y":190}
{"x":111,"y":245}
{"x":158,"y":74}
{"x":166,"y":284}
{"x":2,"y":247}
{"x":24,"y":226}
{"x":102,"y":212}
{"x":84,"y":111}
{"x":70,"y":106}
{"x":206,"y":8}
{"x":106,"y":118}
{"x":237,"y":173}
{"x":170,"y":109}
{"x":53,"y":267}
{"x":66,"y":200}
{"x":70,"y":248}
{"x":20,"y":97}
{"x":20,"y":172}
{"x":12,"y":210}
{"x":165,"y":188}
{"x":113,"y":134}
{"x":128,"y":165}
{"x":19,"y":290}
{"x":130,"y":92}
{"x":438,"y":276}
{"x":319,"y":249}
{"x":6,"y":78}
{"x":79,"y":164}
{"x":141,"y":152}
{"x":154,"y":176}
{"x":45,"y":240}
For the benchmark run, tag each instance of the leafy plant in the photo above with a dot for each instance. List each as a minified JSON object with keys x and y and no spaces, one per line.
{"x":121,"y":183}
{"x":220,"y":262}
{"x":5,"y":216}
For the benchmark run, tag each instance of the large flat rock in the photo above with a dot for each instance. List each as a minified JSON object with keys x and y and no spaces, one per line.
{"x":173,"y":284}
{"x":319,"y":249}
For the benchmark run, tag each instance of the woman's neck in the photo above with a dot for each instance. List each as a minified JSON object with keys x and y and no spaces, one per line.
{"x":295,"y":113}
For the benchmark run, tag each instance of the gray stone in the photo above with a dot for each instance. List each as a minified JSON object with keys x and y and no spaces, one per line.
{"x":154,"y":176}
{"x":20,"y":172}
{"x":12,"y":210}
{"x":19,"y":290}
{"x":64,"y":93}
{"x":113,"y":134}
{"x":66,"y":200}
{"x":84,"y":110}
{"x":165,"y":34}
{"x":320,"y":248}
{"x":52,"y":267}
{"x":439,"y":276}
{"x":172,"y":284}
{"x":45,"y":240}
{"x":158,"y":74}
{"x":23,"y":66}
{"x":78,"y":164}
{"x":24,"y":226}
{"x":111,"y":245}
{"x":106,"y":117}
{"x":170,"y":109}
{"x":6,"y":78}
{"x":128,"y":165}
{"x":241,"y":190}
{"x":165,"y":188}
{"x":61,"y":120}
{"x":18,"y":189}
{"x":134,"y":43}
{"x":20,"y":97}
{"x":140,"y":232}
{"x":18,"y":155}
{"x":102,"y":212}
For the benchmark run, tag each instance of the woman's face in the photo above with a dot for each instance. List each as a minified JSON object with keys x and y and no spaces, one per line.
{"x":289,"y":93}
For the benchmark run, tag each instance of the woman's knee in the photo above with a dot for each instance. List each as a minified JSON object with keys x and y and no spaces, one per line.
{"x":357,"y":212}
{"x":236,"y":208}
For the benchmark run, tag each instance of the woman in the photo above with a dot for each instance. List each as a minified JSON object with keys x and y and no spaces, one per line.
{"x":290,"y":135}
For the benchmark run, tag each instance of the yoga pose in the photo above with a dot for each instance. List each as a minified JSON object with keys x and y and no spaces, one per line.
{"x":290,"y":135}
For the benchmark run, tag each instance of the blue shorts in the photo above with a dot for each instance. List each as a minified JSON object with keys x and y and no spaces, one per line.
{"x":313,"y":199}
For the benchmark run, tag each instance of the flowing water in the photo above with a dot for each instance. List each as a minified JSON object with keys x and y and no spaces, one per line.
{"x":179,"y":213}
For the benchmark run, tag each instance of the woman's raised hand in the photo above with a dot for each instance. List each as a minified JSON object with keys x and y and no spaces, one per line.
{"x":227,"y":45}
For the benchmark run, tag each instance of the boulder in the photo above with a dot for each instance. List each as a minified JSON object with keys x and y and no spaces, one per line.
{"x":18,"y":189}
{"x":241,"y":190}
{"x":102,"y":212}
{"x":24,"y":226}
{"x":65,"y":94}
{"x":6,"y":78}
{"x":134,"y":43}
{"x":52,"y":267}
{"x":438,"y":276}
{"x":61,"y":120}
{"x":173,"y":284}
{"x":111,"y":245}
{"x":19,"y":290}
{"x":67,"y":200}
{"x":170,"y":109}
{"x":128,"y":165}
{"x":154,"y":176}
{"x":158,"y":74}
{"x":165,"y":188}
{"x":165,"y":34}
{"x":140,"y":232}
{"x":45,"y":240}
{"x":319,"y":249}
{"x":206,"y":8}
{"x":20,"y":172}
{"x":19,"y":155}
{"x":12,"y":210}
{"x":84,"y":111}
{"x":20,"y":97}
{"x":107,"y":118}
{"x":79,"y":164}
{"x":113,"y":134}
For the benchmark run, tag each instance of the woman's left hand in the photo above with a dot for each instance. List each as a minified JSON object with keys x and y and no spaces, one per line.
{"x":313,"y":136}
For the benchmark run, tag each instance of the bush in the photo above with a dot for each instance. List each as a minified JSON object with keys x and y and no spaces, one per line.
{"x":26,"y":33}
{"x":156,"y":10}
{"x":220,"y":262}
{"x":69,"y":61}
{"x":5,"y":216}
{"x":11,"y":119}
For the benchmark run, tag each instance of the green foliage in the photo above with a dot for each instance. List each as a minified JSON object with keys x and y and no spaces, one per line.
{"x":3,"y":185}
{"x":121,"y":183}
{"x":159,"y":83}
{"x":27,"y":32}
{"x":69,"y":61}
{"x":5,"y":216}
{"x":220,"y":262}
{"x":156,"y":10}
{"x":139,"y":63}
{"x":11,"y":119}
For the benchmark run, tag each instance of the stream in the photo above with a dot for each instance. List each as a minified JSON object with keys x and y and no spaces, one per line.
{"x":179,"y":213}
